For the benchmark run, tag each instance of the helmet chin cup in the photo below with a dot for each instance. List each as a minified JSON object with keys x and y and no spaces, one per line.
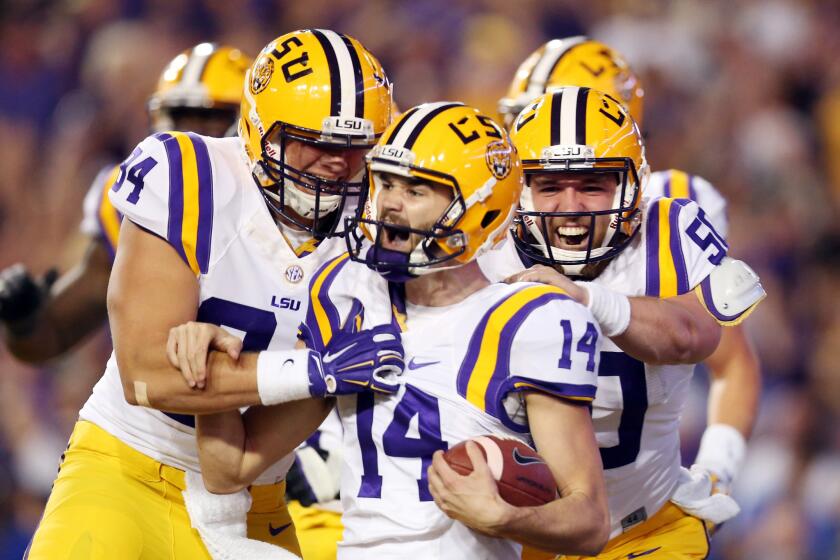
{"x":304,"y":203}
{"x":394,"y":266}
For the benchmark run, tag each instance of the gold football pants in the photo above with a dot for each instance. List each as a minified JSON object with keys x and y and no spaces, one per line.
{"x":318,"y":531}
{"x":671,"y":534}
{"x":111,"y":501}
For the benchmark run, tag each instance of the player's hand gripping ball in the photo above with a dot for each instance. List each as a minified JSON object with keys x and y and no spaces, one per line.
{"x":522,"y":477}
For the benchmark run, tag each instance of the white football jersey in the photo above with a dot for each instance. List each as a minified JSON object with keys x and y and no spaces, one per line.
{"x":197,"y":194}
{"x":466,"y":367}
{"x":637,"y":407}
{"x":673,"y":183}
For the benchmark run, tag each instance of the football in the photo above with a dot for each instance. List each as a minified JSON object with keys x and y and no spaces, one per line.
{"x":522,"y":476}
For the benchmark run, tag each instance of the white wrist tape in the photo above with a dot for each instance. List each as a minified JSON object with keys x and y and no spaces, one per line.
{"x":283,"y":376}
{"x":722,"y":451}
{"x":611,"y":309}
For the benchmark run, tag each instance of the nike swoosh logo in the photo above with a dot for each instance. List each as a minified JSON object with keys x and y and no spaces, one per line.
{"x":332,"y":357}
{"x":523,"y":460}
{"x":417,"y":365}
{"x":640,"y":554}
{"x":274,"y":532}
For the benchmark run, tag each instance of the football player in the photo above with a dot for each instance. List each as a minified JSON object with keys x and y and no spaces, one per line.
{"x":444,"y":186}
{"x":226,"y":231}
{"x":734,"y":366}
{"x":199,"y":90}
{"x":655,"y":274}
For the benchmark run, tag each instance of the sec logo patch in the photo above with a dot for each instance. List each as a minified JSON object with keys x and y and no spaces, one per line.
{"x":294,"y":274}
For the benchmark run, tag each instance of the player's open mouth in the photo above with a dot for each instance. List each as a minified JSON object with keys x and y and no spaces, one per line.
{"x":396,"y":239}
{"x":571,"y":235}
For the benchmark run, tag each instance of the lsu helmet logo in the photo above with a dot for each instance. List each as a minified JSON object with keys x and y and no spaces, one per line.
{"x":263,"y":70}
{"x":498,"y":158}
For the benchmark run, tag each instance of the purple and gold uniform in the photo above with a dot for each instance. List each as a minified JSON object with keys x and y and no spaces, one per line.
{"x":197,"y":194}
{"x":467,"y":367}
{"x":637,"y":408}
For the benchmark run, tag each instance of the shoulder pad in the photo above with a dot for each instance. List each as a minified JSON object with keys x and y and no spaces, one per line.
{"x":731,"y":291}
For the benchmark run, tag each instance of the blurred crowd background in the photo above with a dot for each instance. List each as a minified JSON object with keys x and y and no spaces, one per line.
{"x":743,"y":92}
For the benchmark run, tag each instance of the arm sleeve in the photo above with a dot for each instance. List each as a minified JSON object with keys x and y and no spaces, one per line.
{"x":682,"y":247}
{"x":166,"y":187}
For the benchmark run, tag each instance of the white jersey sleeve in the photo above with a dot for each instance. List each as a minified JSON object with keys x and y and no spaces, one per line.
{"x":679,"y":184}
{"x":536,"y":339}
{"x":168,"y":187}
{"x":100,"y":219}
{"x":682,"y":247}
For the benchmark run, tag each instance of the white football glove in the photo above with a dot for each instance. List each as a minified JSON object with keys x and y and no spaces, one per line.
{"x":694,"y":496}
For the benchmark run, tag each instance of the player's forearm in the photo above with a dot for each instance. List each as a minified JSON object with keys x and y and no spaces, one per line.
{"x":235,"y":449}
{"x":74,"y":309}
{"x":736,"y":382}
{"x":50,"y":334}
{"x":578,"y":522}
{"x":33,"y":340}
{"x":221,"y":449}
{"x":230,"y":384}
{"x":574,"y":524}
{"x":663,"y":332}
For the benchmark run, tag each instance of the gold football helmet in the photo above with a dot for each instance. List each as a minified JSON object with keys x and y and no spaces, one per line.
{"x":575,"y":61}
{"x":447,"y":144}
{"x":321,"y":88}
{"x":207,"y":78}
{"x":579,"y":130}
